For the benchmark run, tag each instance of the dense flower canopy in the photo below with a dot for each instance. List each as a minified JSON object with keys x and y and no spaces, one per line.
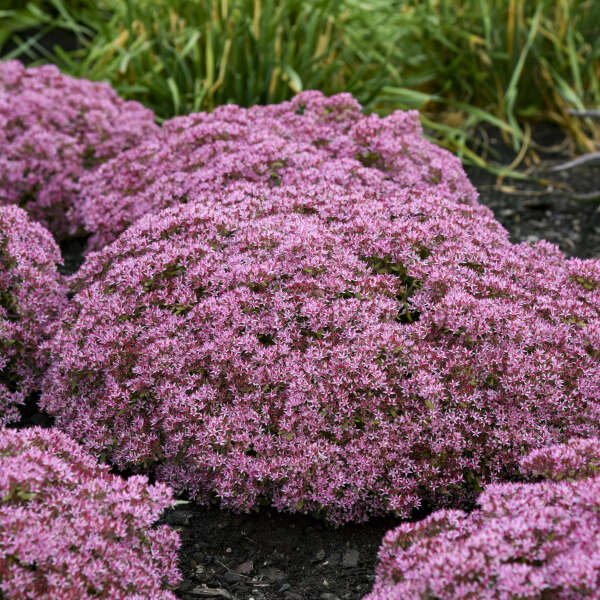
{"x":32,"y":296}
{"x":310,"y":139}
{"x":527,"y":540}
{"x":71,"y":530}
{"x":53,"y":128}
{"x":331,"y":352}
{"x":296,"y":305}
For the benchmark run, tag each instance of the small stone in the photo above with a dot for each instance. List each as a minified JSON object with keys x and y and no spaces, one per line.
{"x":232,"y":577}
{"x":319,"y":556}
{"x":185,"y":586}
{"x":350,"y":558}
{"x":273,"y":574}
{"x":204,"y":591}
{"x":284,"y":587}
{"x":245,"y":568}
{"x":292,"y":596}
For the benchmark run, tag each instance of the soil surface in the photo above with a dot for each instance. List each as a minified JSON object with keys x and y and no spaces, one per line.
{"x":269,"y":556}
{"x":547,"y":206}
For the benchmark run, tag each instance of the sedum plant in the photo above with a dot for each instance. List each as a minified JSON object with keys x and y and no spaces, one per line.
{"x":54,"y":128}
{"x":70,"y":529}
{"x":526,"y":540}
{"x":311,"y":138}
{"x":329,"y":351}
{"x":32,"y":296}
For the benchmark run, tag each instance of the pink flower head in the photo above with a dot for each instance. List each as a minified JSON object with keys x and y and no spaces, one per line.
{"x":71,"y":530}
{"x":311,"y":139}
{"x":533,"y":541}
{"x":32,"y":297}
{"x":53,"y":129}
{"x":328,"y":351}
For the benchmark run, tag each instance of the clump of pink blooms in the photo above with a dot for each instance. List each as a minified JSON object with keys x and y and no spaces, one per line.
{"x":71,"y":530}
{"x":527,"y":540}
{"x":297,"y":305}
{"x":32,"y":296}
{"x":53,"y":129}
{"x":342,"y":353}
{"x":309,"y":139}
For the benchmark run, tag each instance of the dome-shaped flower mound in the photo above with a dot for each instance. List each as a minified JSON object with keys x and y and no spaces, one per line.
{"x":530,"y":541}
{"x":577,"y":459}
{"x":310,"y":139}
{"x":70,"y":529}
{"x":326,"y":352}
{"x":53,"y":128}
{"x":32,"y":297}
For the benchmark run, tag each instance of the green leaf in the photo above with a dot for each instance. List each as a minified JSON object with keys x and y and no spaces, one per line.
{"x":295,"y":82}
{"x":174,"y":95}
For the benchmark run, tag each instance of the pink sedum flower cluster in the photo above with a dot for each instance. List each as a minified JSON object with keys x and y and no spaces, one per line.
{"x":531,"y":541}
{"x":71,"y":530}
{"x":53,"y":128}
{"x":577,"y":459}
{"x":344,"y":353}
{"x":32,"y":296}
{"x":297,"y":305}
{"x":309,"y":139}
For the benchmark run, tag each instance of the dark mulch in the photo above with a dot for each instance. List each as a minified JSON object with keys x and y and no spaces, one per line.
{"x":532,"y":211}
{"x":268,"y":556}
{"x":271,"y":555}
